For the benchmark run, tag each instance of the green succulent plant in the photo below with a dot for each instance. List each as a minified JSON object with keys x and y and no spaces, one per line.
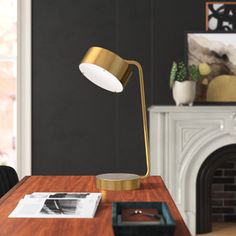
{"x":180,"y":72}
{"x":194,"y":73}
{"x":173,"y":73}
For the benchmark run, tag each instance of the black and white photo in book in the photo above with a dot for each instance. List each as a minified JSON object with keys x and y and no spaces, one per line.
{"x":61,"y":195}
{"x":69,"y":195}
{"x":60,"y":207}
{"x":220,"y":16}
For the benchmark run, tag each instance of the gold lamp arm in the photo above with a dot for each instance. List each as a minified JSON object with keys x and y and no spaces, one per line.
{"x":144,"y":114}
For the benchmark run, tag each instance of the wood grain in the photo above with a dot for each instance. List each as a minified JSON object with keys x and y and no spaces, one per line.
{"x":152,"y":189}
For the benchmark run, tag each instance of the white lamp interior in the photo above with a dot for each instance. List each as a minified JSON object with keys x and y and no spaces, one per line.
{"x":101,"y":77}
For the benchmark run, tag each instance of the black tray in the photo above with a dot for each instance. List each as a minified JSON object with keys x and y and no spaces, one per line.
{"x":165,"y":227}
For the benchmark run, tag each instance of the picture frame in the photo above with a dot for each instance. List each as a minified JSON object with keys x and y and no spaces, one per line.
{"x":218,"y":51}
{"x":220,"y":16}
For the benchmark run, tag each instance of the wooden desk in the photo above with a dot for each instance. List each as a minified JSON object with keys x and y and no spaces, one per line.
{"x":153,"y":189}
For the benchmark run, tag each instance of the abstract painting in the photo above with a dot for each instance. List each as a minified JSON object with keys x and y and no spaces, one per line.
{"x":218,"y":51}
{"x":220,"y":16}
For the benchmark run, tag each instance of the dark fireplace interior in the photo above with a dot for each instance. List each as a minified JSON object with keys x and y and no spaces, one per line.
{"x":216,"y":189}
{"x":224,"y":193}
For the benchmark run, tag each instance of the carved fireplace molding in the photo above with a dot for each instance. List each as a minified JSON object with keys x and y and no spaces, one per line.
{"x":181,"y":138}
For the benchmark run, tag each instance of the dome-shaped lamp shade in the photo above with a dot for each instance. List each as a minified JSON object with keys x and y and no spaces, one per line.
{"x":105,"y":69}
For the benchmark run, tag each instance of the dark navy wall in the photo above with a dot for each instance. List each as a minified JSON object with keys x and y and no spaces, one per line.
{"x":79,"y":128}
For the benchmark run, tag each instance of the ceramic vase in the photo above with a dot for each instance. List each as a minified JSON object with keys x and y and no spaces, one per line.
{"x":184,"y":92}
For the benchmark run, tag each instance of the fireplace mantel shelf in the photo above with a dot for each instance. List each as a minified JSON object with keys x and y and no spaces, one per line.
{"x":181,"y":138}
{"x":162,"y":108}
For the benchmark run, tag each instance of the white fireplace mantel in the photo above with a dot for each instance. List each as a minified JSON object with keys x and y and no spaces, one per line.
{"x":181,"y":138}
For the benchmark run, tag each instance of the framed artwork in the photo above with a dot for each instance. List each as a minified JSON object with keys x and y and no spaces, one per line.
{"x":218,"y":52}
{"x":220,"y":16}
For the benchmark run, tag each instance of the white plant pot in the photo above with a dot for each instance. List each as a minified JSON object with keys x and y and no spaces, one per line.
{"x":184,"y":92}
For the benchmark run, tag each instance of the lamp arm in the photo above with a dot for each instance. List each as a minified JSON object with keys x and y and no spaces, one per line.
{"x":144,"y":114}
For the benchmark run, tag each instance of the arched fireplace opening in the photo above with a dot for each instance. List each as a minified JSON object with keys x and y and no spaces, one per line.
{"x":216,"y":164}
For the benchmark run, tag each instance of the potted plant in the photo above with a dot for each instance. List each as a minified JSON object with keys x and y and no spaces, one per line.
{"x":183,"y":81}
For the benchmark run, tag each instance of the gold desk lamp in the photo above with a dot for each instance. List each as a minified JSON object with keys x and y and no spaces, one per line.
{"x":109,"y":71}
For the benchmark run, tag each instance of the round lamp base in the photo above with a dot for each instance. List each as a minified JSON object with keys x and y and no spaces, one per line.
{"x":117,"y":181}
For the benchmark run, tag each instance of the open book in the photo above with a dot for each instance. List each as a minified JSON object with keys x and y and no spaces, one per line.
{"x":57,"y":205}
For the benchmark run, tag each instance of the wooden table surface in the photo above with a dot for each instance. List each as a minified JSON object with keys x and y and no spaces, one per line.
{"x":152,"y":189}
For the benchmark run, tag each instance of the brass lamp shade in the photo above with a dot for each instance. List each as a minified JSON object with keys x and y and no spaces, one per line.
{"x":109,"y":71}
{"x":105,"y":69}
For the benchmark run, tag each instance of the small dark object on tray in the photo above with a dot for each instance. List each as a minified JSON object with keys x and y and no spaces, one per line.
{"x":140,"y":214}
{"x":142,"y":218}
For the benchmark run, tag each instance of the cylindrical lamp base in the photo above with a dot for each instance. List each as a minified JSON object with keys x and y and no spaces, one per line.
{"x":118,"y":181}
